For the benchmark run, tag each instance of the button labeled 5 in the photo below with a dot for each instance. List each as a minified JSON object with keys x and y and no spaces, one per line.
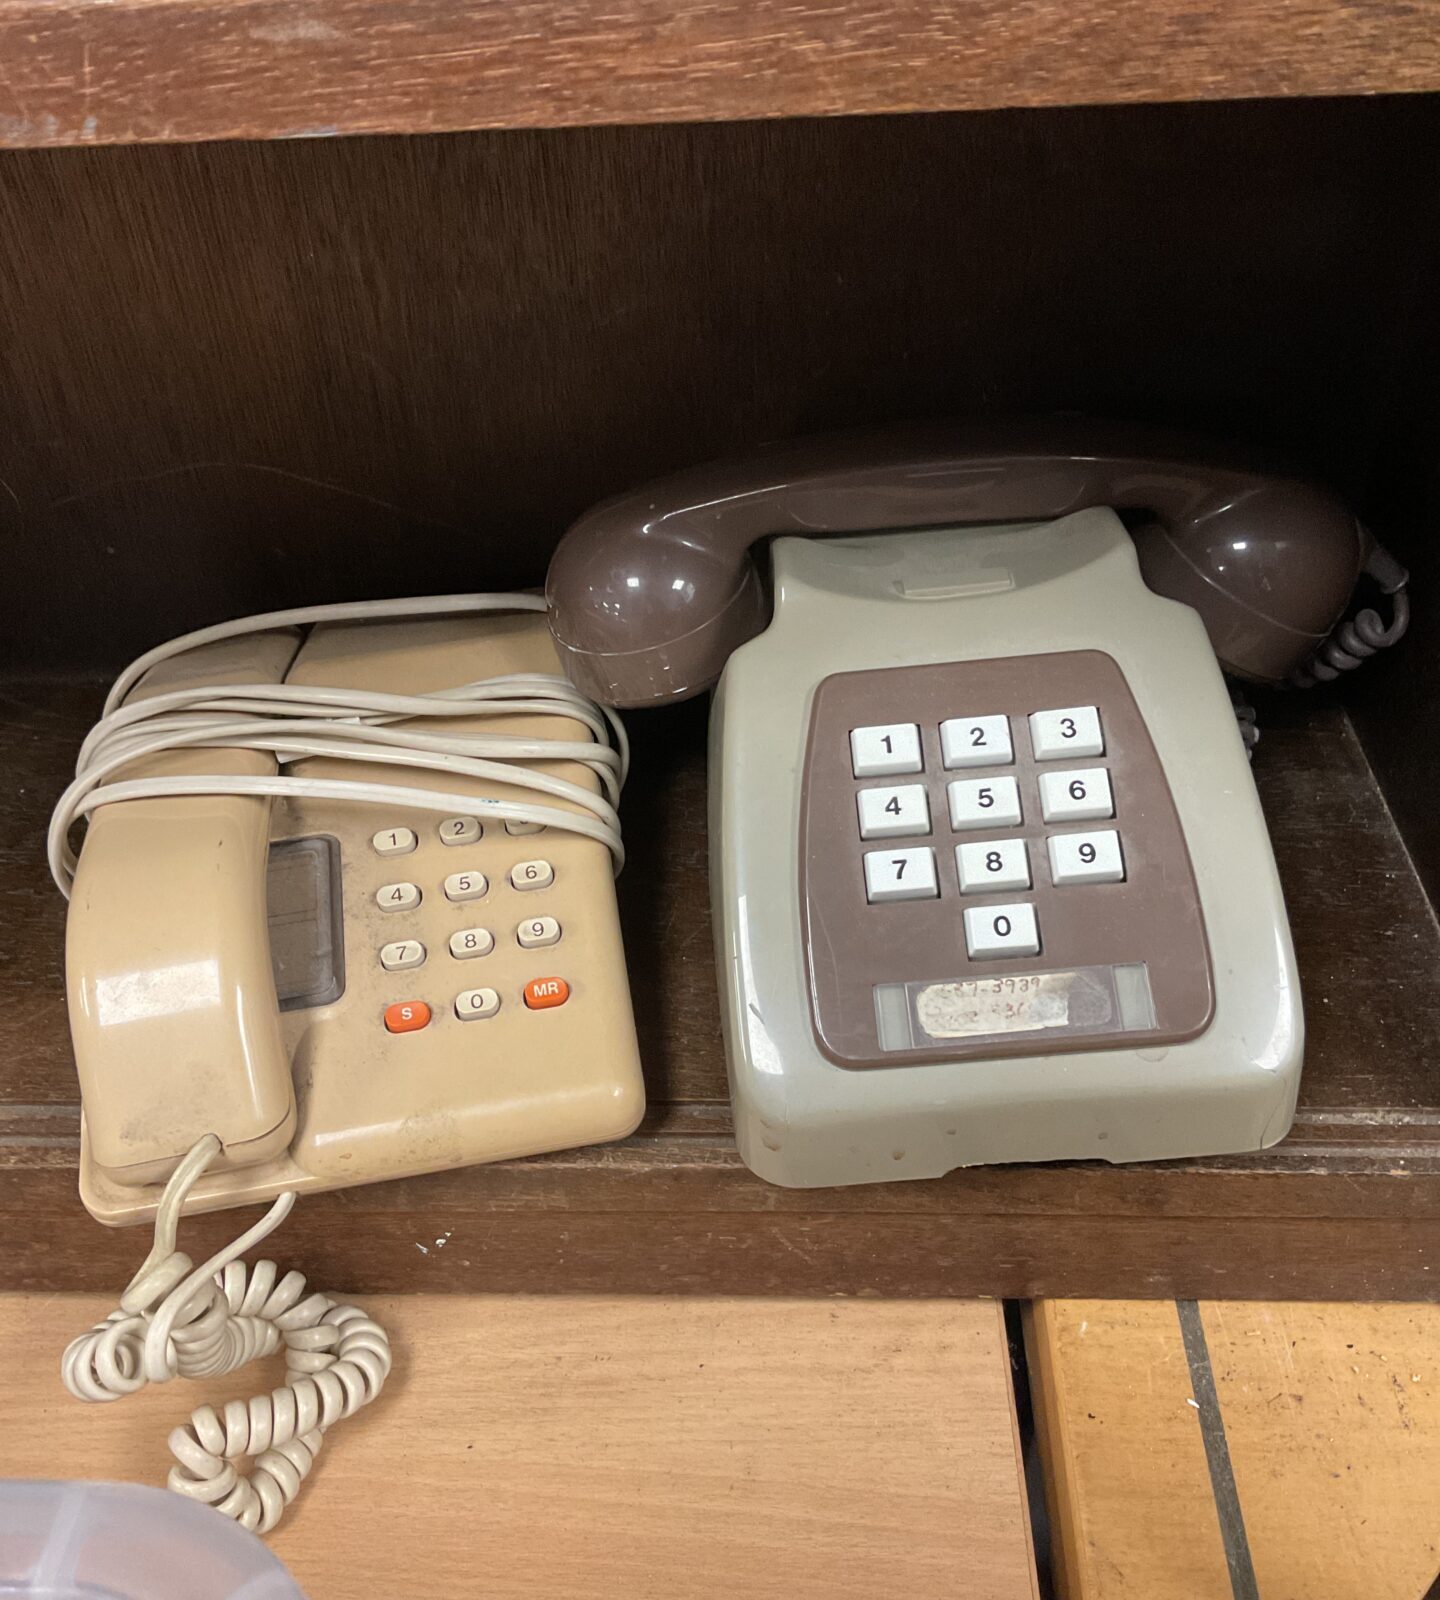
{"x":984,"y":803}
{"x":466,"y":886}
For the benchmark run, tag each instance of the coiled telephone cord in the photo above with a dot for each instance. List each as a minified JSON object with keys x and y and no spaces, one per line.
{"x":179,"y":1320}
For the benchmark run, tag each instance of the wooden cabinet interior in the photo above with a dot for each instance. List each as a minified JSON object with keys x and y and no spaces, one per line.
{"x":240,"y":376}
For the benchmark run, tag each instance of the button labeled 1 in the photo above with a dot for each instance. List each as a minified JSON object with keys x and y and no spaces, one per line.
{"x":900,"y":875}
{"x":1086,"y":857}
{"x":992,"y":931}
{"x":885,"y":749}
{"x":893,"y":813}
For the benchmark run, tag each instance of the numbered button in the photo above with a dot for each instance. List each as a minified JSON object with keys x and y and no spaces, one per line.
{"x":394,"y":842}
{"x":460,"y":830}
{"x":398,"y":896}
{"x":475,"y":1004}
{"x":992,"y":931}
{"x":471,"y":942}
{"x":1076,"y":796}
{"x":984,"y":803}
{"x":532,"y":875}
{"x":466,"y":885}
{"x":976,"y":742}
{"x":1086,"y":857}
{"x":1075,"y":731}
{"x":991,"y":865}
{"x":524,"y":827}
{"x":884,"y":750}
{"x":402,"y":956}
{"x":537,"y":932}
{"x":892,"y":813}
{"x":900,"y":875}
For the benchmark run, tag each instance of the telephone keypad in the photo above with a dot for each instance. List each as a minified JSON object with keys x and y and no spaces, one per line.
{"x":976,"y":742}
{"x":985,"y":803}
{"x":394,"y":842}
{"x":894,"y":813}
{"x":471,"y":943}
{"x":1052,"y":907}
{"x":885,"y":750}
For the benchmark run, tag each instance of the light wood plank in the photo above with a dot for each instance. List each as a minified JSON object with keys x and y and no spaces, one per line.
{"x":684,"y":1448}
{"x":1331,"y":1419}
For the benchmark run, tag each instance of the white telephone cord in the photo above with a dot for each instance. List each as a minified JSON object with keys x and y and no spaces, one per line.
{"x":295,"y":721}
{"x":179,"y":1320}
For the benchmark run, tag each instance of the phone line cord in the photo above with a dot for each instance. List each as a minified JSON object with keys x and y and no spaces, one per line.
{"x":178,"y":1320}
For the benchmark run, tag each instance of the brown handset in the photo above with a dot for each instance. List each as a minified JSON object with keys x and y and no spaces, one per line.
{"x":651,"y":591}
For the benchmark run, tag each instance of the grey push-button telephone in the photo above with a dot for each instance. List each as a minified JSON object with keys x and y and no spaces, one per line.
{"x":989,"y":872}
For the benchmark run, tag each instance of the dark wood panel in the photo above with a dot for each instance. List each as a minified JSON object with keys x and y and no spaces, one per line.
{"x":80,"y":72}
{"x":241,"y":375}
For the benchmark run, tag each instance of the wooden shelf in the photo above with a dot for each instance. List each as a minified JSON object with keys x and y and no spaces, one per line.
{"x":155,"y":71}
{"x":1347,"y":1207}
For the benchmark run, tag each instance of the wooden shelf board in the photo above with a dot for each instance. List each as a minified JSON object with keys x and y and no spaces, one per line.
{"x":136,"y":71}
{"x":1348,"y":1206}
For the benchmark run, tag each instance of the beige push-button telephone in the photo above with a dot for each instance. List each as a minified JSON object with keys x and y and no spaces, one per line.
{"x":989,"y":875}
{"x":405,"y":988}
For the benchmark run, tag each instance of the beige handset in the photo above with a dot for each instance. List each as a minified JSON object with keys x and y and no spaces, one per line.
{"x":347,"y":991}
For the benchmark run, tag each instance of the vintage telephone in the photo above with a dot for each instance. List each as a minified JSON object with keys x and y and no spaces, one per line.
{"x":989,"y":873}
{"x":399,"y":954}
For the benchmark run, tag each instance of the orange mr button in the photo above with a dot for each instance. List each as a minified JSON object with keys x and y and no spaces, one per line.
{"x":406,"y":1015}
{"x":542,"y":993}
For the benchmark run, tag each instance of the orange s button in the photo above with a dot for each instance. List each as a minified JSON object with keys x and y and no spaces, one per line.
{"x":405,"y":1016}
{"x":542,"y":993}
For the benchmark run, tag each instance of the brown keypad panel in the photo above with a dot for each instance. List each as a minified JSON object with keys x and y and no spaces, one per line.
{"x":992,"y":865}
